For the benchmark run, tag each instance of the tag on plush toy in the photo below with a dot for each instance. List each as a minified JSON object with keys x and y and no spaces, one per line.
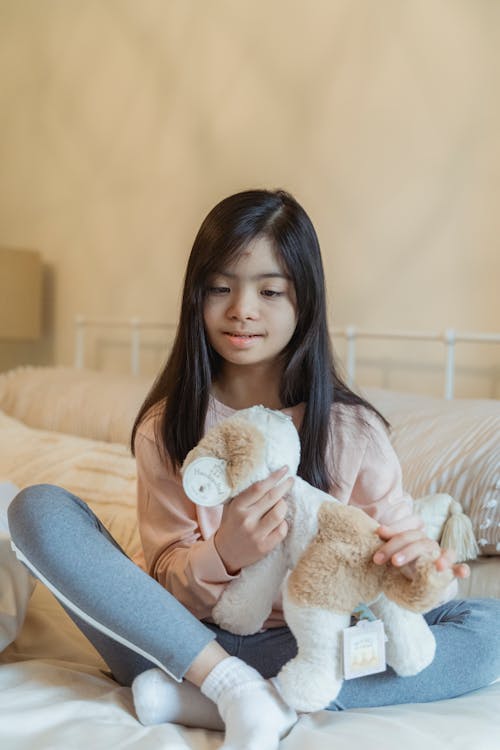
{"x":364,"y":649}
{"x":204,"y":481}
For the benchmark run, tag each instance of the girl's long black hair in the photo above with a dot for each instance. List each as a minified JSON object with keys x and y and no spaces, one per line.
{"x":310,"y":374}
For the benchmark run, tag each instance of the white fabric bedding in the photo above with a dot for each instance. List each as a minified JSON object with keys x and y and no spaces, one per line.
{"x":55,"y":694}
{"x":102,"y":720}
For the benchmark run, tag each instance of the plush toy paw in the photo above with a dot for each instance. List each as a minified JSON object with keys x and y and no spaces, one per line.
{"x":307,"y":686}
{"x":247,"y":602}
{"x":410,"y":642}
{"x":408,"y":658}
{"x":237,"y":619}
{"x":233,"y":611}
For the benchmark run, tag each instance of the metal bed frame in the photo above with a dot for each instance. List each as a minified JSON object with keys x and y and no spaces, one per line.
{"x":448,"y":338}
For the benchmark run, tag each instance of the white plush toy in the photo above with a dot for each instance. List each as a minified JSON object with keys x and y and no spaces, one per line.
{"x":328,"y":549}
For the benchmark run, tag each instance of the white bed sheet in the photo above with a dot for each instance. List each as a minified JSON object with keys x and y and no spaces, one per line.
{"x":55,"y":695}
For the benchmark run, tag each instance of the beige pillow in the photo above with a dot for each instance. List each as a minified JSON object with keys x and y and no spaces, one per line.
{"x":449,"y":447}
{"x":101,"y":474}
{"x":97,"y":405}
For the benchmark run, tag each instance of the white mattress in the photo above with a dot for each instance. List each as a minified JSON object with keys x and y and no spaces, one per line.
{"x":64,"y":700}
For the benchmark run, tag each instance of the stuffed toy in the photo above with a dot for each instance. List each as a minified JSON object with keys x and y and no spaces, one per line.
{"x":324,"y":565}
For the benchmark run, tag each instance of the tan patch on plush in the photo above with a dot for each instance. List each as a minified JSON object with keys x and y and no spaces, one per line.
{"x":423,"y":591}
{"x":239,"y":443}
{"x":337,"y":571}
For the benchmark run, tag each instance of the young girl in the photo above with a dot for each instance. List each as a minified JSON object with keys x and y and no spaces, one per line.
{"x":252,"y":331}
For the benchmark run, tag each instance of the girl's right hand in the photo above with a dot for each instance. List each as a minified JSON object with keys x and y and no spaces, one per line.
{"x":253,"y":523}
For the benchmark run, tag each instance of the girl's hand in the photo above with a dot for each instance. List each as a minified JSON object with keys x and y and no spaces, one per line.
{"x":403,"y":547}
{"x":253,"y":523}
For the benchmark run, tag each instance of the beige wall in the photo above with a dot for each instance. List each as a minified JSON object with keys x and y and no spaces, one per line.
{"x":124,"y":121}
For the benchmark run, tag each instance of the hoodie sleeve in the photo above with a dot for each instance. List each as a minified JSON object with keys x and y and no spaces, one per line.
{"x":378,"y":487}
{"x":177,"y":537}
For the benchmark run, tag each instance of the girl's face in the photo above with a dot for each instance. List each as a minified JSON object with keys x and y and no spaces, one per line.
{"x":250,"y":310}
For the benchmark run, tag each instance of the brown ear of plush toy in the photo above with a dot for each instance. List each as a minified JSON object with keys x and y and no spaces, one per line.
{"x":337,"y":572}
{"x":239,"y":443}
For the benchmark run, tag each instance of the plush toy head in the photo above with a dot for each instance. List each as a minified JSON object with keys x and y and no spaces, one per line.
{"x":243,"y":449}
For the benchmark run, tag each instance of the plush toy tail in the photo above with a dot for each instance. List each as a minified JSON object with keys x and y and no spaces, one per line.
{"x":446,"y":522}
{"x":458,"y":534}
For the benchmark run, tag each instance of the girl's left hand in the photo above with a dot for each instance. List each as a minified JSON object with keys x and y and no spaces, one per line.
{"x":406,"y":540}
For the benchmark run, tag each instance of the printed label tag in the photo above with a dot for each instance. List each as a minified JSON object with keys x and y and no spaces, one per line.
{"x":364,"y":649}
{"x":204,"y":481}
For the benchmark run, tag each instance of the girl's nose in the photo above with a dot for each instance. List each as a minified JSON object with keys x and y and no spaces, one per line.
{"x":243,"y":306}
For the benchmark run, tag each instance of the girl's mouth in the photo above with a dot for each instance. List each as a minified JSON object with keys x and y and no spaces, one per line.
{"x":242,"y":339}
{"x":242,"y":335}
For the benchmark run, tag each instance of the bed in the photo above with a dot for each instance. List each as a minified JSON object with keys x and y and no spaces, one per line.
{"x":70,"y":427}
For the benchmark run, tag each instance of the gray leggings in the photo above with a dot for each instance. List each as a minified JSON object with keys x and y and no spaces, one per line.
{"x":135,"y":624}
{"x":132,"y":621}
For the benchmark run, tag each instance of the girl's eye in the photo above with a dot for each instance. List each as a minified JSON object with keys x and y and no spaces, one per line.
{"x":218,"y":290}
{"x":271,"y":293}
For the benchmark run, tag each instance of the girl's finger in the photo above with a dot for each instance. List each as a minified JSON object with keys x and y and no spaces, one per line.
{"x":447,"y":560}
{"x":256,"y":491}
{"x":398,"y":543}
{"x":273,"y":518}
{"x":277,"y":535}
{"x":271,"y":498}
{"x":461,"y":570}
{"x":409,"y":553}
{"x":405,"y":524}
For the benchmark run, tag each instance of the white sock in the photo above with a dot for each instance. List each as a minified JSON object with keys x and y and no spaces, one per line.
{"x":255,"y":715}
{"x":158,"y":698}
